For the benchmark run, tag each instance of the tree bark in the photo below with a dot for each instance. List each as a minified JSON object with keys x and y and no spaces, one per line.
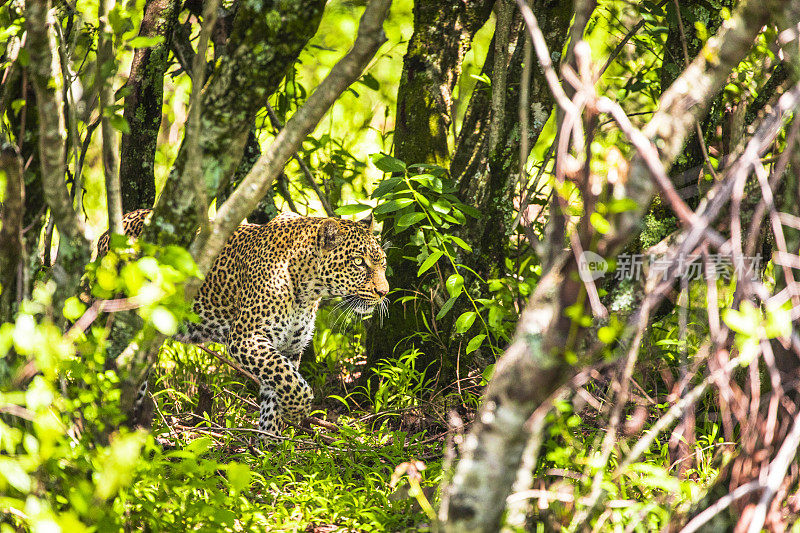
{"x":443,"y":33}
{"x":265,"y":210}
{"x":74,"y":249}
{"x":25,"y":125}
{"x":11,"y":241}
{"x":143,"y":105}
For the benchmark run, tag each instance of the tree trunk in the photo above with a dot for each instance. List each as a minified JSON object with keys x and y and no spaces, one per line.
{"x":443,"y":33}
{"x":11,"y":241}
{"x":485,"y":167}
{"x":143,"y":106}
{"x":74,"y":249}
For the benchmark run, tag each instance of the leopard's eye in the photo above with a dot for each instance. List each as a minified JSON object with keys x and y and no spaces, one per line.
{"x":359,"y":261}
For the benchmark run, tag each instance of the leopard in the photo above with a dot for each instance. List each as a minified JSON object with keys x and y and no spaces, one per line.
{"x":261,"y":296}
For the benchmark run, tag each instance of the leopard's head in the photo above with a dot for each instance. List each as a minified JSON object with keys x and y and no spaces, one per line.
{"x":352,"y":263}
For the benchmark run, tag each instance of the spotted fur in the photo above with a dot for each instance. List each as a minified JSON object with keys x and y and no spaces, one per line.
{"x":261,"y":296}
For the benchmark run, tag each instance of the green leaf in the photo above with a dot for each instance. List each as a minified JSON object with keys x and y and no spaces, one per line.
{"x":24,"y":57}
{"x":73,"y":308}
{"x":459,"y":241}
{"x":352,"y":209}
{"x":483,"y":78}
{"x":600,"y":224}
{"x":429,"y":261}
{"x":745,"y":321}
{"x":454,"y":284}
{"x":385,"y":186}
{"x":15,"y":474}
{"x":427,"y":168}
{"x":181,"y":260}
{"x":408,"y":219}
{"x":17,"y":104}
{"x":370,"y":81}
{"x":393,"y":205}
{"x":475,"y":343}
{"x":199,"y":446}
{"x":621,"y":205}
{"x":164,"y":321}
{"x":442,"y":206}
{"x":145,"y":42}
{"x":779,"y":322}
{"x":430,"y":181}
{"x":387,"y":163}
{"x":607,"y":335}
{"x":469,"y":210}
{"x":238,"y":476}
{"x":119,"y":123}
{"x":487,"y":374}
{"x":465,"y":321}
{"x":446,"y":307}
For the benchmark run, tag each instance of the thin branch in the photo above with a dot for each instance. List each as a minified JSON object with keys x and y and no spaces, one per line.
{"x":718,"y":506}
{"x":323,"y":199}
{"x":776,"y":476}
{"x":110,"y":147}
{"x":193,"y":173}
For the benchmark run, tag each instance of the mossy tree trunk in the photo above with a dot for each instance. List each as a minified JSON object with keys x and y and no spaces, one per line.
{"x":73,"y":246}
{"x":143,"y":106}
{"x":25,"y":124}
{"x":484,"y":163}
{"x":443,"y":33}
{"x":11,"y":241}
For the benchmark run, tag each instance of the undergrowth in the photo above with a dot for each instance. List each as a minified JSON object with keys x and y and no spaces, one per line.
{"x":349,"y":475}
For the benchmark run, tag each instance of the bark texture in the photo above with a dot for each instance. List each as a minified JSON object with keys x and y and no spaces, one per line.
{"x":443,"y":33}
{"x":11,"y":241}
{"x":143,"y":105}
{"x":73,"y":246}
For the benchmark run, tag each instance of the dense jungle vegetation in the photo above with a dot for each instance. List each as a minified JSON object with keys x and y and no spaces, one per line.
{"x":591,"y":215}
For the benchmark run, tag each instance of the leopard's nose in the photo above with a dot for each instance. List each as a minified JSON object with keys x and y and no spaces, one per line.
{"x":381,"y":284}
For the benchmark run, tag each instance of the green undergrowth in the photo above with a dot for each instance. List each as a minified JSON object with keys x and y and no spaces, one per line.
{"x":201,"y":467}
{"x":209,"y":470}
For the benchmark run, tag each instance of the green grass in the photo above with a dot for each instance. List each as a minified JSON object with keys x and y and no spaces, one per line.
{"x":209,"y":472}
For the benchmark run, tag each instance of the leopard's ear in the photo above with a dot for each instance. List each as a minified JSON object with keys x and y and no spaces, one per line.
{"x":368,"y":222}
{"x":327,"y":234}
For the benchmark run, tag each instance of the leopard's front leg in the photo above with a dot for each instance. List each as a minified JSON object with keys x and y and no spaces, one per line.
{"x":283,"y":390}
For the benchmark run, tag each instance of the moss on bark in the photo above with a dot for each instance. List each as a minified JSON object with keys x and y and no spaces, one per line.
{"x":143,"y":105}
